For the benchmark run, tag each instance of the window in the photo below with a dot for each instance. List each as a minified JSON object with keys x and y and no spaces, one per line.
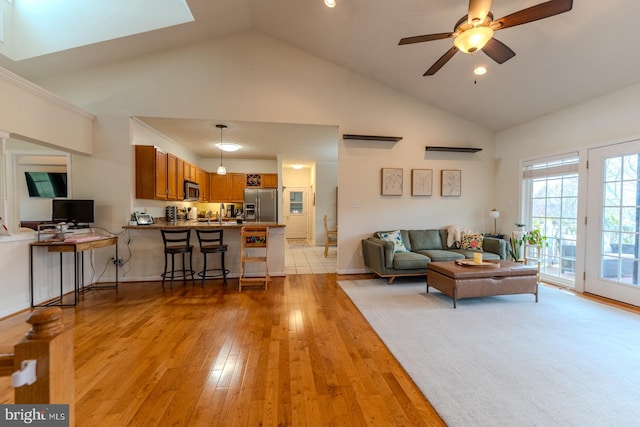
{"x":551,"y":206}
{"x":620,"y":219}
{"x":296,"y":202}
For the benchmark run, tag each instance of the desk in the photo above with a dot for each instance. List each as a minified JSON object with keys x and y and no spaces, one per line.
{"x":77,"y":248}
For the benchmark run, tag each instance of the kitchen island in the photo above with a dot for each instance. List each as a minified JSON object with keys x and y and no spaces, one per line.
{"x":147,"y":258}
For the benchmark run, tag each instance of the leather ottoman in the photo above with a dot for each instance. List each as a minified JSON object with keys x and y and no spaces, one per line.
{"x":490,"y":278}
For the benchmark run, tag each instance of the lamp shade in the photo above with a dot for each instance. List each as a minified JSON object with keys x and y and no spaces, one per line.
{"x":473,"y":39}
{"x":221,"y":170}
{"x":494,"y":214}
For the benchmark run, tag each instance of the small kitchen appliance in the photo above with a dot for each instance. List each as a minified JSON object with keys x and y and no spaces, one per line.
{"x":171,"y":213}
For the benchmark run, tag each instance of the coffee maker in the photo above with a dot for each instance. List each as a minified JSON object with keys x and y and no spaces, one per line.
{"x":231,"y":211}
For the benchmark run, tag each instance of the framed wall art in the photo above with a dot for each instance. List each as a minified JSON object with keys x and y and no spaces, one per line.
{"x":391,"y":182}
{"x":450,"y":183}
{"x":421,"y":182}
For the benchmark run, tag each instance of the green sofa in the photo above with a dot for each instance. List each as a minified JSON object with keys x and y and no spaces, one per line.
{"x":423,"y":246}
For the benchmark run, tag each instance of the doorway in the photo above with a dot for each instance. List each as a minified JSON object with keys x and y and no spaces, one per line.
{"x":613,"y":222}
{"x":296,"y":213}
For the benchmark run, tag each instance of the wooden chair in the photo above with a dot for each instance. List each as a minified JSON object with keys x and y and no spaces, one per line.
{"x":330,"y":236}
{"x":254,"y":248}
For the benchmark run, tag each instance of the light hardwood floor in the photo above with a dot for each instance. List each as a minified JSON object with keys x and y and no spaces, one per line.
{"x":299,"y":354}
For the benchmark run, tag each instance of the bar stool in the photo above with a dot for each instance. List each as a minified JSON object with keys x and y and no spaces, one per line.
{"x":177,"y":242}
{"x":211,"y":243}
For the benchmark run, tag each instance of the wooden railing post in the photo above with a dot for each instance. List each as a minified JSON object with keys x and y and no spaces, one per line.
{"x":51,"y":346}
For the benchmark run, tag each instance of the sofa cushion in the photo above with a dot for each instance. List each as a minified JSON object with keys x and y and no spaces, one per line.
{"x":403,"y":233}
{"x":425,"y":239}
{"x":489,"y":256}
{"x":409,"y":261}
{"x":444,"y":236}
{"x":471,"y":241}
{"x":437,"y":255}
{"x":396,"y":238}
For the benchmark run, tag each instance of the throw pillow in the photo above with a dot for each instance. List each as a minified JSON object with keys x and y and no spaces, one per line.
{"x":472,"y":241}
{"x":396,"y":238}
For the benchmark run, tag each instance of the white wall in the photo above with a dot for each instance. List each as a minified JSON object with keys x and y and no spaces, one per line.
{"x":326,"y":200}
{"x":49,"y":119}
{"x":252,"y":77}
{"x":605,"y":120}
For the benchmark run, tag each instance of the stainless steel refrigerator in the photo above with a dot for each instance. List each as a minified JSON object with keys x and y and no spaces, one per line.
{"x":261,"y":205}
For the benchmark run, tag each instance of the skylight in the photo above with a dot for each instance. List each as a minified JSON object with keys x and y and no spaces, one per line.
{"x":39,"y":27}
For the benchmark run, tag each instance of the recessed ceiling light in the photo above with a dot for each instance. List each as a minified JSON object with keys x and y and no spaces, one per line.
{"x":297,"y":166}
{"x":330,"y":3}
{"x":480,"y":70}
{"x":228,"y":146}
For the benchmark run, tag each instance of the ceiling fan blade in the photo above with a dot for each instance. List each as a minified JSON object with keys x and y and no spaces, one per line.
{"x":533,"y":13}
{"x":498,"y":51}
{"x":478,"y":10}
{"x":425,"y":38}
{"x":440,"y":62}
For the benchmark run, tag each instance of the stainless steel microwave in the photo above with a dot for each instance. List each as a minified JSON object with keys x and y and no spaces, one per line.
{"x":191,"y":191}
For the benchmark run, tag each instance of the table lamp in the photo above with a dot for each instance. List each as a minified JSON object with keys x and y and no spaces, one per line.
{"x":494,"y":214}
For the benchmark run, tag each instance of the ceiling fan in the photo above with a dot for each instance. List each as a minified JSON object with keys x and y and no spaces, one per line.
{"x":474,"y":31}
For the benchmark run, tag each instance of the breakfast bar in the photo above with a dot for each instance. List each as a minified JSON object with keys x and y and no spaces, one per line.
{"x":147,"y":261}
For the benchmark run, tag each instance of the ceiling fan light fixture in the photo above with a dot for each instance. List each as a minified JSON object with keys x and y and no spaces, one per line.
{"x":480,"y":70}
{"x":473,"y":39}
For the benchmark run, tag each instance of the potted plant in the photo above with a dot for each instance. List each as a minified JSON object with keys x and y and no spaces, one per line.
{"x":515,"y":248}
{"x":516,"y":241}
{"x":534,"y":237}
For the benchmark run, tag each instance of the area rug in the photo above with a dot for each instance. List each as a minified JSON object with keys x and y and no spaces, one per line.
{"x":508,"y":361}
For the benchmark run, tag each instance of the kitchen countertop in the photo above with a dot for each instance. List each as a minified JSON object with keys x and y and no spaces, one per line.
{"x":161,"y":223}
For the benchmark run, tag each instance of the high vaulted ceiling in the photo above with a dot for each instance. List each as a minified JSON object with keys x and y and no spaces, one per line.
{"x":560,"y":61}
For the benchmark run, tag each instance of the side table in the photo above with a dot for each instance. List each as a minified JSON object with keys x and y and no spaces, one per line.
{"x":77,"y":247}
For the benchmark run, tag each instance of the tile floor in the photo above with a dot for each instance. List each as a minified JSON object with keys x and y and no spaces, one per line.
{"x":302,"y":258}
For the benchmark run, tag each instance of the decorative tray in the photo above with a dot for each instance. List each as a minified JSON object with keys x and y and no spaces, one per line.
{"x":469,"y":262}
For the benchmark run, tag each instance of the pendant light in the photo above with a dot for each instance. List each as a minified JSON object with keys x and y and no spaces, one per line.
{"x":221,"y":169}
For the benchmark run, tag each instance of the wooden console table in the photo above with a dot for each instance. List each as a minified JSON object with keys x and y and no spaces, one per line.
{"x":77,"y":247}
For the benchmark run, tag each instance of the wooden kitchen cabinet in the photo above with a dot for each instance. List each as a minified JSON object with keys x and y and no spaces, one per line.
{"x":202,"y":178}
{"x":236,"y":189}
{"x":270,"y":180}
{"x":180,"y":176}
{"x":172,"y":178}
{"x":261,"y":180}
{"x":218,"y":188}
{"x":161,"y":176}
{"x":226,"y":188}
{"x":152,"y":173}
{"x":190,"y":173}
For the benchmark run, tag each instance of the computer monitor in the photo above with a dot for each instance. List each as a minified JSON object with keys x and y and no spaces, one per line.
{"x":79,"y":213}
